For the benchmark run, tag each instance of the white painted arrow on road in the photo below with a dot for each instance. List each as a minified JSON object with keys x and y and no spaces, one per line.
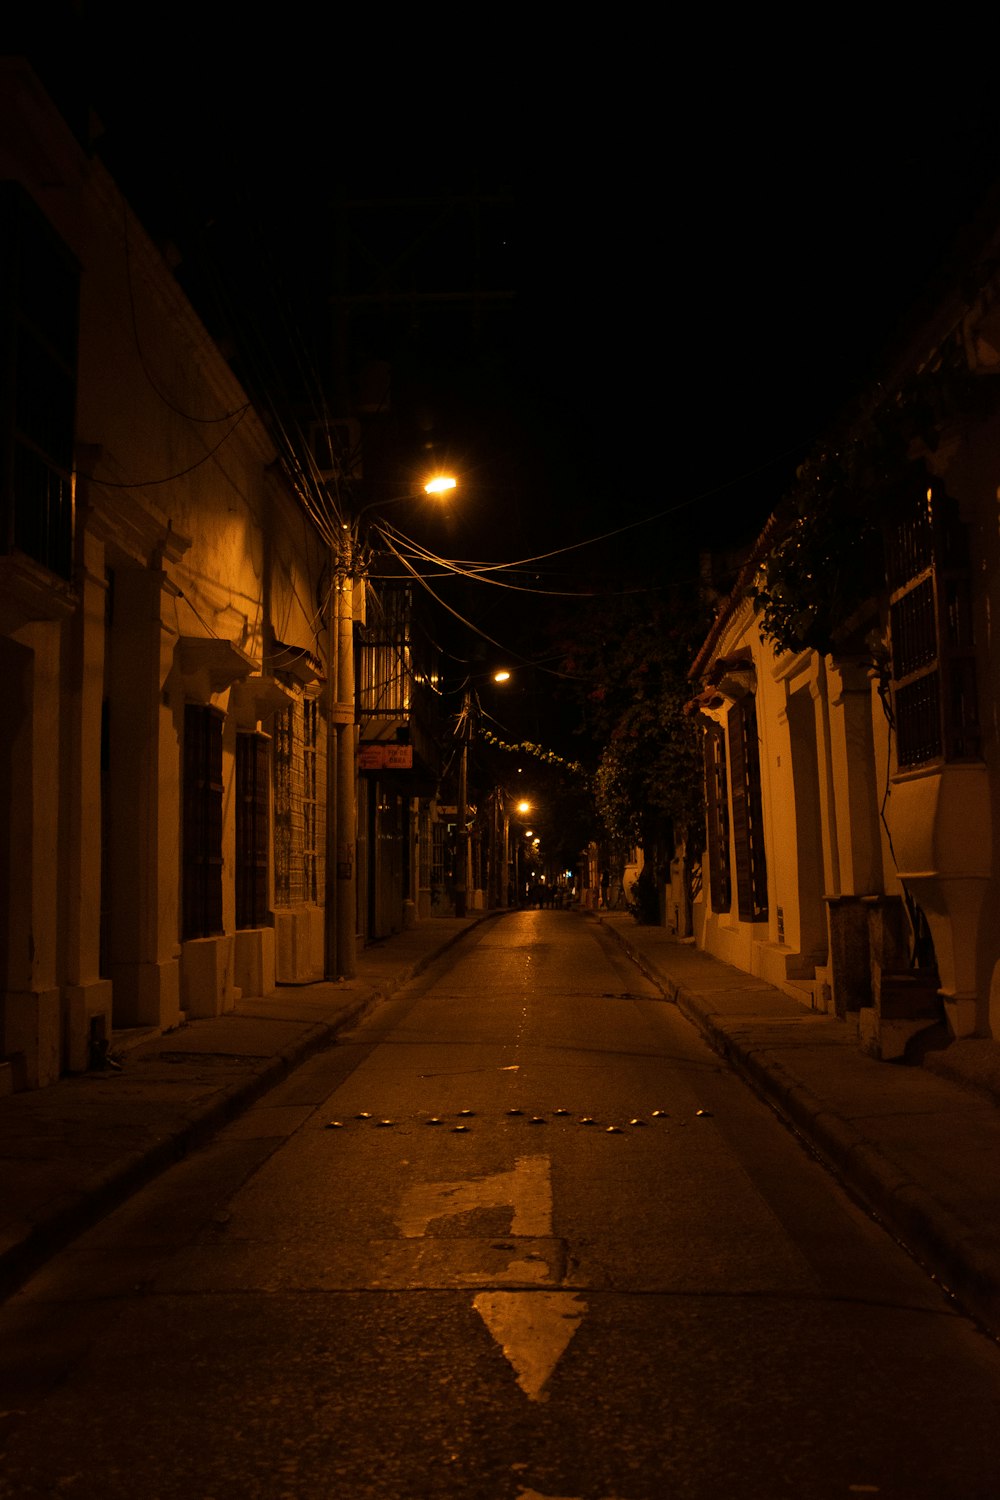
{"x":527,"y":1191}
{"x":533,"y":1329}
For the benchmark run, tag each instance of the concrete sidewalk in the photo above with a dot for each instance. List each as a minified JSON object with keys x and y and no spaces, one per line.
{"x":919,"y":1146}
{"x":72,"y":1152}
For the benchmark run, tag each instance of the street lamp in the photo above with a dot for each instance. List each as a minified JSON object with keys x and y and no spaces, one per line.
{"x":440,"y":484}
{"x":342,"y":739}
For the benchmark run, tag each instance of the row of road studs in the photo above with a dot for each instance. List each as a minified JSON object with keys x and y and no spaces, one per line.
{"x":459,"y":1122}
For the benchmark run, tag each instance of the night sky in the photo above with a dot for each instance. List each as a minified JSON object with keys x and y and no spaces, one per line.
{"x":709,"y":248}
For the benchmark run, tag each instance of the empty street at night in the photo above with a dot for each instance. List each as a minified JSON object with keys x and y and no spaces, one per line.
{"x":520,"y":1235}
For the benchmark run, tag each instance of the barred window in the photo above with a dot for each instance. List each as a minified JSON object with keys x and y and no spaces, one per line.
{"x":202,"y":837}
{"x":385,"y":666}
{"x":313,"y":801}
{"x":934,"y":693}
{"x":438,"y":853}
{"x":251,"y":830}
{"x":299,"y":759}
{"x":39,"y":292}
{"x":748,"y":817}
{"x":717,"y":807}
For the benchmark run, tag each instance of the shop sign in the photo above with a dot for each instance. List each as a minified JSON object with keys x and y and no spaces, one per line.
{"x":385,"y":758}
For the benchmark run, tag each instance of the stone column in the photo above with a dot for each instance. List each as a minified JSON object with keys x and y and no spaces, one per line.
{"x":855,"y":779}
{"x":144,"y":844}
{"x":29,"y":881}
{"x":87,"y":994}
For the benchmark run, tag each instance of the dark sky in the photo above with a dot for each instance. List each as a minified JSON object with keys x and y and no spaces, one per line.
{"x":709,"y":242}
{"x":697,"y":290}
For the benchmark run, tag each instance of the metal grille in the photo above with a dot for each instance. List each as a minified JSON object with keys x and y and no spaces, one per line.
{"x":933,"y":652}
{"x":202,"y":846}
{"x":748,"y":820}
{"x":910,"y":546}
{"x":386,"y":668}
{"x":717,"y":808}
{"x":313,"y":801}
{"x":918,"y":720}
{"x":439,"y":832}
{"x":914,"y":630}
{"x":300,"y":805}
{"x":251,"y":830}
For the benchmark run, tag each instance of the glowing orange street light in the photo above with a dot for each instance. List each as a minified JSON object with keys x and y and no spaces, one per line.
{"x":340,"y":920}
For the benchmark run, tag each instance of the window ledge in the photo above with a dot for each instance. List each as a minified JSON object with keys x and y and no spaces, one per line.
{"x":32,"y":592}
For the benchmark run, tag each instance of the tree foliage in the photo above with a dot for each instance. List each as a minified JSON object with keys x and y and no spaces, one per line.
{"x":630,"y":667}
{"x":825,"y":560}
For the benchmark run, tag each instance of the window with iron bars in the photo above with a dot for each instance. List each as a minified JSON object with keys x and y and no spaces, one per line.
{"x":934,"y":695}
{"x":717,"y":815}
{"x":202,"y":812}
{"x":39,"y":295}
{"x":748,"y":816}
{"x":251,"y":829}
{"x":385,"y":673}
{"x":299,"y":760}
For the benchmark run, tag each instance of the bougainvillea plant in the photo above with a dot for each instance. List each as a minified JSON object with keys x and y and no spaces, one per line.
{"x":827,"y":560}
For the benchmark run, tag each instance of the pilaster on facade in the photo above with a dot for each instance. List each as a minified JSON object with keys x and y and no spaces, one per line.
{"x":30,"y":1014}
{"x":141,"y":838}
{"x":87,"y":1001}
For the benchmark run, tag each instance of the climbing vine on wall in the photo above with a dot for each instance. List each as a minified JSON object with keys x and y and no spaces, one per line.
{"x":826,"y":560}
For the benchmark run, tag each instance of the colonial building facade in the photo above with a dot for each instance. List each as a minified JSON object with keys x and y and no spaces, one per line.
{"x":853,"y":853}
{"x":163,"y":744}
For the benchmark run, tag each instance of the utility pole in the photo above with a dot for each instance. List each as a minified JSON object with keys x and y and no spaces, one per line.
{"x":347,"y":781}
{"x":462,"y":850}
{"x":341,"y":897}
{"x":347,"y":562}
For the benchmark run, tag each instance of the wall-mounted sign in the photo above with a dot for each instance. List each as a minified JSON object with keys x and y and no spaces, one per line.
{"x":385,"y":758}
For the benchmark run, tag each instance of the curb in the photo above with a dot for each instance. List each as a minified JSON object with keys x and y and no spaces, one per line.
{"x":118,"y":1182}
{"x":950,"y":1250}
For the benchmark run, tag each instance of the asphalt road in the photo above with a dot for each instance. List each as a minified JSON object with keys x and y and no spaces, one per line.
{"x":519,"y":1236}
